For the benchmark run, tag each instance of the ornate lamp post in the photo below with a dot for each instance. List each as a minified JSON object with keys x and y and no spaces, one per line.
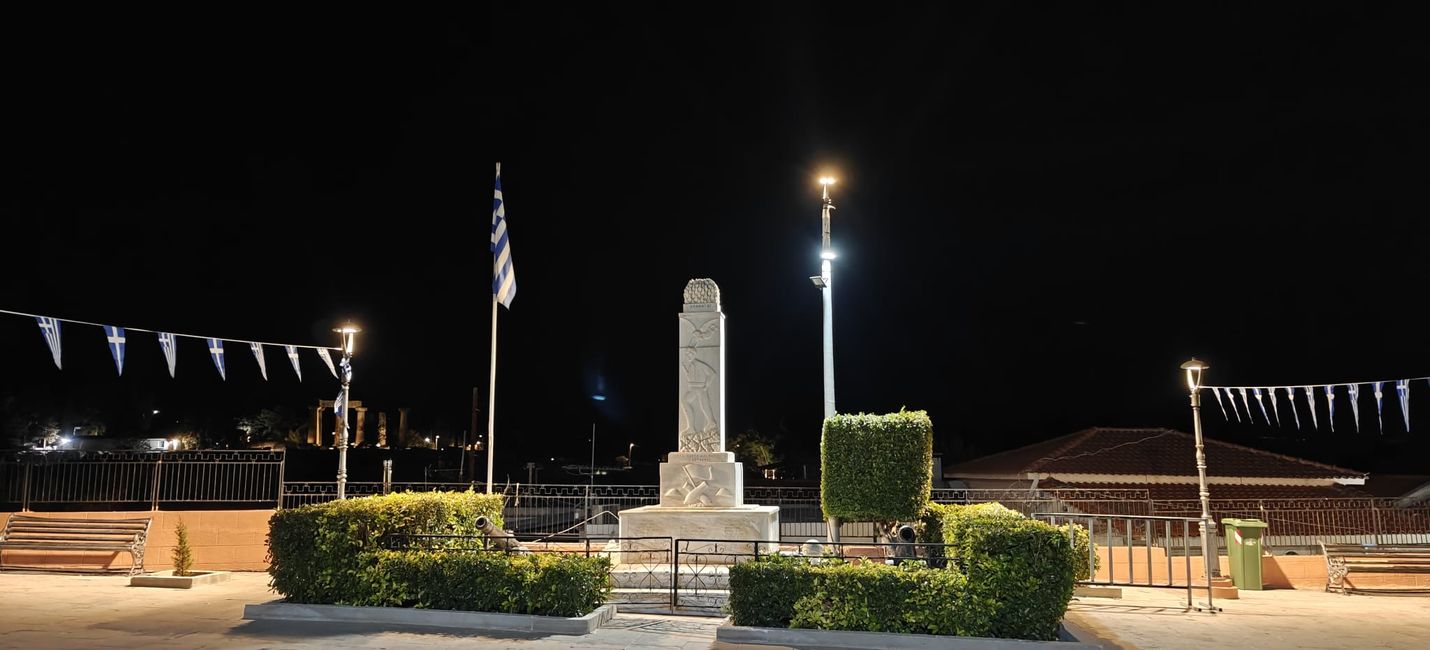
{"x":348,"y":332}
{"x":1195,"y":369}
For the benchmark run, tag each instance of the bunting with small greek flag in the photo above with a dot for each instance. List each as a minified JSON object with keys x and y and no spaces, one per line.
{"x":1311,"y":398}
{"x":1291,"y":397}
{"x":1217,"y":394}
{"x":170,"y":346}
{"x":1331,"y":407}
{"x":1402,"y":389}
{"x":50,"y":327}
{"x":216,"y":351}
{"x":258,"y":356}
{"x":347,"y":368}
{"x":293,"y":358}
{"x":1246,"y":403}
{"x":340,"y":408}
{"x":1274,"y":410}
{"x":327,"y":360}
{"x":503,"y":273}
{"x":1257,"y":393}
{"x":114,"y":336}
{"x":1354,"y":391}
{"x":1232,"y":399}
{"x":1379,"y":421}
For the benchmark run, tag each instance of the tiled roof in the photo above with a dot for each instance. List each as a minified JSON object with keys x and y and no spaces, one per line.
{"x":1142,"y":452}
{"x":1219,"y":492}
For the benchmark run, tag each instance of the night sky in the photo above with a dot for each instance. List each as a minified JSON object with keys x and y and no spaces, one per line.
{"x":1041,"y":214}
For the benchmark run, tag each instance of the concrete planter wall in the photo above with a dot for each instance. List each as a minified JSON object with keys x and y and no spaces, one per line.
{"x":405,"y":616}
{"x":841,"y":639}
{"x":168,"y":579}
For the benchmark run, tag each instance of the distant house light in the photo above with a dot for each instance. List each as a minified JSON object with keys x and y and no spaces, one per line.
{"x":599,"y":398}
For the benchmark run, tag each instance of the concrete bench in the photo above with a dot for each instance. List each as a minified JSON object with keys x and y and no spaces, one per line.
{"x":1345,"y":559}
{"x":31,"y":533}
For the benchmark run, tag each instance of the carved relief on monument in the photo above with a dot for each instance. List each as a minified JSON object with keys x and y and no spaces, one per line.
{"x":703,"y":485}
{"x":700,"y":382}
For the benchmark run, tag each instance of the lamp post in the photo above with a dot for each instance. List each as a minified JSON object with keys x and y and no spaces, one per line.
{"x":348,"y":332}
{"x":630,"y":450}
{"x":1195,"y":369}
{"x":824,"y":281}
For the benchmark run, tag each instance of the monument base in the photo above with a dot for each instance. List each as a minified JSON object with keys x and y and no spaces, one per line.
{"x":718,"y":530}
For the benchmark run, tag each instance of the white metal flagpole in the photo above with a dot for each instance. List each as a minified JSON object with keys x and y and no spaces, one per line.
{"x":492,"y":399}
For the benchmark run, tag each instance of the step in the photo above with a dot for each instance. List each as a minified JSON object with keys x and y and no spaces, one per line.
{"x":1223,"y":593}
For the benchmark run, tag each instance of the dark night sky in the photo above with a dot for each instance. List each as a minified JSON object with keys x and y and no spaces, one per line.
{"x":1040,"y":213}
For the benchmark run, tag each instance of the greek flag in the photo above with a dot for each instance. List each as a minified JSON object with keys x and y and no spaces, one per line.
{"x":1291,"y":397}
{"x":327,"y":359}
{"x":216,"y":350}
{"x":50,"y":327}
{"x":1217,"y":394}
{"x":293,"y":357}
{"x":1311,"y":398}
{"x":258,"y":355}
{"x":503,"y":274}
{"x":1256,"y":392}
{"x":340,"y":409}
{"x":115,"y":337}
{"x":1379,"y":421}
{"x":170,"y":346}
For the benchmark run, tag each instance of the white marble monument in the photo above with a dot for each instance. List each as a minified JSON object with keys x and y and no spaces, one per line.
{"x":701,"y":486}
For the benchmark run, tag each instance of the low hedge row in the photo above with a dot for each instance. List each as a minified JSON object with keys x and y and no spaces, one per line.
{"x":1004,"y":576}
{"x":549,"y":585}
{"x":321,"y":553}
{"x":933,"y":522}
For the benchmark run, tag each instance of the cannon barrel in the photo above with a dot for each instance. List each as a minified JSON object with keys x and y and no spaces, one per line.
{"x":501,"y":538}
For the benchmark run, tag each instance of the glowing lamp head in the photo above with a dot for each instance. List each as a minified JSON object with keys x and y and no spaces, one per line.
{"x":826,"y":180}
{"x":349,"y":333}
{"x":827,"y":255}
{"x":1194,"y":369}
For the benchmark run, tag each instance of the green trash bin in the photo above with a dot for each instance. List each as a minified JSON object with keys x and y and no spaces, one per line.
{"x":1243,"y":544}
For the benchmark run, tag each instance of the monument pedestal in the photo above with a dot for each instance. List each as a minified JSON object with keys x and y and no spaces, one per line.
{"x":720,"y":530}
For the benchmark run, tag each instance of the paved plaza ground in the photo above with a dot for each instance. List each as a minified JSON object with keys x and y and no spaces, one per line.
{"x":89,"y":612}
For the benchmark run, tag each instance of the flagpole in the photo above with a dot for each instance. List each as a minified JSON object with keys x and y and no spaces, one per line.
{"x":492,"y":398}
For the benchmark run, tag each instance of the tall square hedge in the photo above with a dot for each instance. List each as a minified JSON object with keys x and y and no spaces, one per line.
{"x":322,"y":553}
{"x":876,"y":467}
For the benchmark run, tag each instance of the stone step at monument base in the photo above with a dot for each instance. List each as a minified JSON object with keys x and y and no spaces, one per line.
{"x":693,"y":578}
{"x":705,"y":535}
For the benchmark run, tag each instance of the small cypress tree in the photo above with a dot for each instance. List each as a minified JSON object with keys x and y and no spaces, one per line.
{"x":183,"y":555}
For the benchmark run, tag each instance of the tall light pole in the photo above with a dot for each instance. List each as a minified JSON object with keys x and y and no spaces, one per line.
{"x":349,"y":335}
{"x":824,"y":282}
{"x":1195,"y":369}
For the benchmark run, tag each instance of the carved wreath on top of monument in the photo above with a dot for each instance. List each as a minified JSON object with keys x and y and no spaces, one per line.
{"x":702,"y":291}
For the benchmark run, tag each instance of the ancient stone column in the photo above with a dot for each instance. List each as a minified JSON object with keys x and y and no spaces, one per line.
{"x":382,"y":429}
{"x":402,"y":427}
{"x":361,"y":420}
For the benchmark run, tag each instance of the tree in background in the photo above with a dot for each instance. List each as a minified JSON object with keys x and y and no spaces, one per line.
{"x":754,"y":449}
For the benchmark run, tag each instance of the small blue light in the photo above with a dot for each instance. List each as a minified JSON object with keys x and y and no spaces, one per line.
{"x":599,"y":398}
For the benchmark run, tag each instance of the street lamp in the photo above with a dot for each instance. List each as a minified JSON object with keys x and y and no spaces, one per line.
{"x":348,"y":333}
{"x":630,"y":451}
{"x":824,"y":281}
{"x":1195,"y":369}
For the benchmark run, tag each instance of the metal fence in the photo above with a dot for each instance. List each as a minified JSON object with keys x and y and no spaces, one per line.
{"x":1140,"y":551}
{"x":137,"y":480}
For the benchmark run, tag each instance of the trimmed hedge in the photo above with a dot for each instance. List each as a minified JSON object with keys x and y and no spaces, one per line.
{"x":321,"y":553}
{"x":935,"y":514}
{"x":876,"y":467}
{"x":763,"y":593}
{"x":1022,"y":569}
{"x":833,"y":595}
{"x":548,"y":585}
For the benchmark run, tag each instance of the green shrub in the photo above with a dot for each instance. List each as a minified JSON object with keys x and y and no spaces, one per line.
{"x":321,"y":553}
{"x":931,"y":529}
{"x":1022,"y":570}
{"x":548,"y":585}
{"x":876,"y":467}
{"x":880,"y":598}
{"x":763,"y":593}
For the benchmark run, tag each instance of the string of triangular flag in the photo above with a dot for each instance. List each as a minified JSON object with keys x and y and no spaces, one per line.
{"x":1307,"y":392}
{"x":116,"y":338}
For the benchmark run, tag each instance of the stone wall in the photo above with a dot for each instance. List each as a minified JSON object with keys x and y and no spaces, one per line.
{"x":232,"y":540}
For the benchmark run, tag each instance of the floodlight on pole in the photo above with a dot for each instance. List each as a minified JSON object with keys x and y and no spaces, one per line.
{"x":824,"y":283}
{"x":348,"y":333}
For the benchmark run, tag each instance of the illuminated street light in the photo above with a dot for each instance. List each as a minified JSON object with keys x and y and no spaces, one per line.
{"x":1195,"y":370}
{"x":824,"y":283}
{"x":348,"y":332}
